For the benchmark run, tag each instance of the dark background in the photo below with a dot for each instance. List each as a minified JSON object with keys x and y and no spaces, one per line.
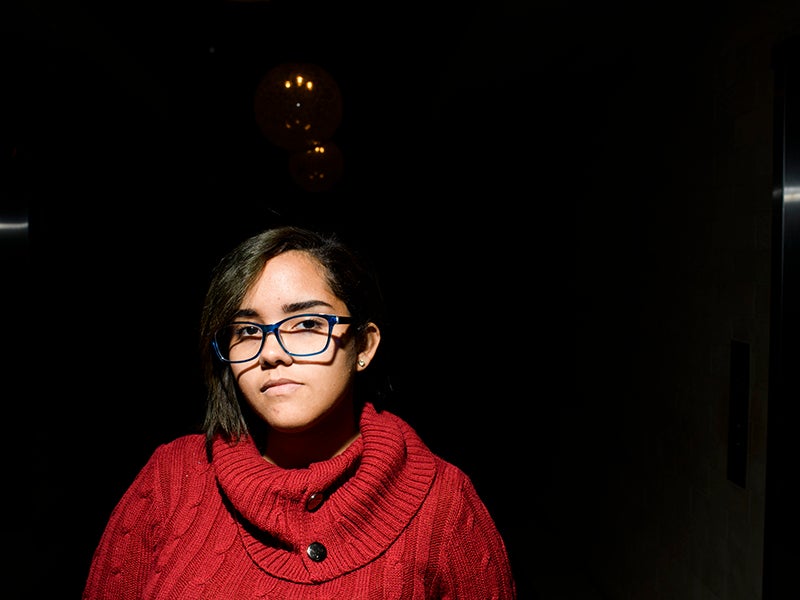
{"x":480,"y":157}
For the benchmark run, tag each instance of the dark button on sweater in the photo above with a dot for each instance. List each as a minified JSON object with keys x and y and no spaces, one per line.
{"x":316,"y":552}
{"x":314,"y":501}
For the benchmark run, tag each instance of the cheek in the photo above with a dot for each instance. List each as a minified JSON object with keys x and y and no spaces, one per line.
{"x":335,"y":377}
{"x":243,"y":375}
{"x":345,"y":369}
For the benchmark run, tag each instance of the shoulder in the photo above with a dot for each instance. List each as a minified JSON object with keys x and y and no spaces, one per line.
{"x":450,"y":478}
{"x":188,"y":451}
{"x":455,"y":516}
{"x":184,"y":457}
{"x":181,"y":461}
{"x":190,"y":445}
{"x":456,"y":487}
{"x":153,"y":488}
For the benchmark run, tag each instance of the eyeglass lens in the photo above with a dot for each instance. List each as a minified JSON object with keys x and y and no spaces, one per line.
{"x":300,"y":335}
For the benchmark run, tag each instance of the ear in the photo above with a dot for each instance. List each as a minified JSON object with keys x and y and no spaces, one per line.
{"x":372,"y":340}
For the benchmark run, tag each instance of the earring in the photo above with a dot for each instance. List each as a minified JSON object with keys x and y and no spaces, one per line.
{"x":361,"y":363}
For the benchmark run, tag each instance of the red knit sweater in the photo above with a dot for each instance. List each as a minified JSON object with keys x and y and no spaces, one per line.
{"x":385,"y":519}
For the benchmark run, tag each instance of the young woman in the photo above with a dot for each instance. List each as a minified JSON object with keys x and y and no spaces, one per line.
{"x":301,"y":486}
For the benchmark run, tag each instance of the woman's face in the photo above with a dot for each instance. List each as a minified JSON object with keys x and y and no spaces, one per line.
{"x":299,"y":394}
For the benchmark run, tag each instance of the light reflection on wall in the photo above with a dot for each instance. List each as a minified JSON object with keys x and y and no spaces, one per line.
{"x":13,"y":227}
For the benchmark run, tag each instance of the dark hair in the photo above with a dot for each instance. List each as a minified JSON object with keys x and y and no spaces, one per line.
{"x":349,"y":277}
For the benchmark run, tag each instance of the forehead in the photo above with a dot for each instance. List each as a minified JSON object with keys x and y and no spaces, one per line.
{"x":290,"y":277}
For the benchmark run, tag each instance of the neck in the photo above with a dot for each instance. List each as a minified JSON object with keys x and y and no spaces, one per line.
{"x":323,"y":440}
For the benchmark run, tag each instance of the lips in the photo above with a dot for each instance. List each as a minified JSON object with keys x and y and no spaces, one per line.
{"x":280,"y":386}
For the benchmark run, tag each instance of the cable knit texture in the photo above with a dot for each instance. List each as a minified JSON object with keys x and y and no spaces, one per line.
{"x":386,"y":519}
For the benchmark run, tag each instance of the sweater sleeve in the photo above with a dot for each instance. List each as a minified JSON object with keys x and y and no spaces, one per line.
{"x":125,"y":553}
{"x":472,"y":561}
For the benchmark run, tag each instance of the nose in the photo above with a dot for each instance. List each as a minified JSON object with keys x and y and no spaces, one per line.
{"x":272,"y":352}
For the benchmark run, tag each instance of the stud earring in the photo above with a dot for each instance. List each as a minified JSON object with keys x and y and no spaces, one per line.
{"x":361,"y":363}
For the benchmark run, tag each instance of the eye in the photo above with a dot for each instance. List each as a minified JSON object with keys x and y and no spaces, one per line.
{"x":245,"y":330}
{"x":307,"y":323}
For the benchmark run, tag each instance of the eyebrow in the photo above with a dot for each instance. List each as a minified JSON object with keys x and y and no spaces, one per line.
{"x":305,"y":305}
{"x":293,"y":307}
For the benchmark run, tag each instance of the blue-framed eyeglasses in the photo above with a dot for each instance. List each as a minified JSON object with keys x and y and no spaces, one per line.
{"x":299,"y":335}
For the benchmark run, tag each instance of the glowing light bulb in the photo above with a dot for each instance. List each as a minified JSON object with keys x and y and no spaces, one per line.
{"x":317,"y":169}
{"x":298,"y":106}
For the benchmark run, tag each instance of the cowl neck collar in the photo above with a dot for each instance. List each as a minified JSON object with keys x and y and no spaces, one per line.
{"x":369,"y":493}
